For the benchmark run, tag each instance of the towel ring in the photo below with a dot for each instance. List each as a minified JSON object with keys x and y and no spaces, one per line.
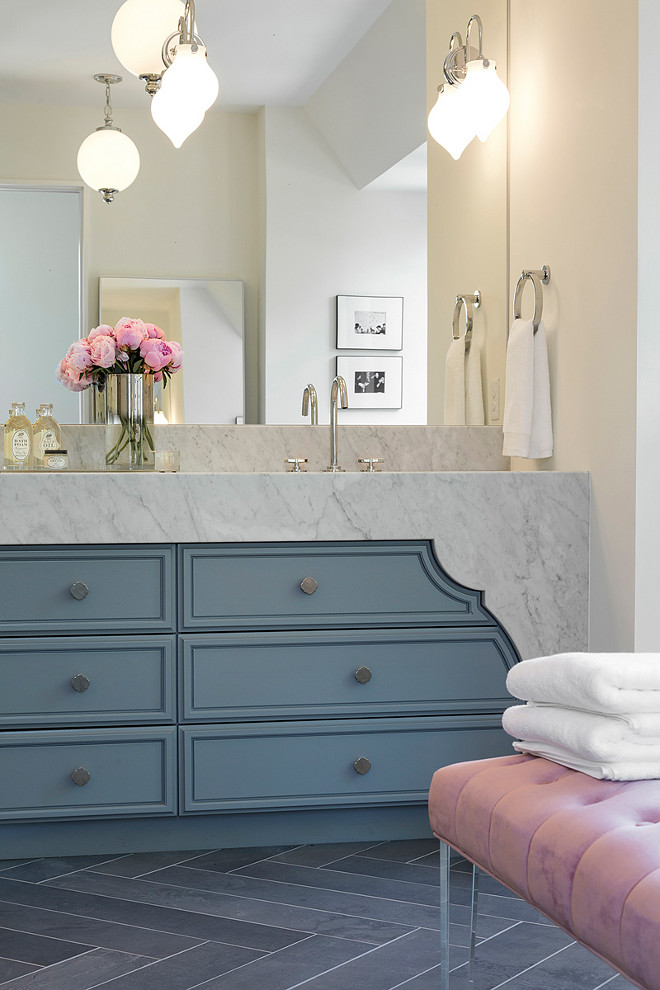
{"x":467,"y":299}
{"x":536,"y":277}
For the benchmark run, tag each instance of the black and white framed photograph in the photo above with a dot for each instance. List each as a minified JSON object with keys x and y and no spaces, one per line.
{"x":370,"y":322}
{"x":372,"y":382}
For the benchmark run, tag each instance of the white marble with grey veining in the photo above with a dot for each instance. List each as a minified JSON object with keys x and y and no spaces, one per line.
{"x":522,"y":538}
{"x":265,"y":448}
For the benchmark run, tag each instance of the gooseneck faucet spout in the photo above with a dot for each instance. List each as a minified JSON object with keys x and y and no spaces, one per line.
{"x":338,"y":397}
{"x":309,"y":400}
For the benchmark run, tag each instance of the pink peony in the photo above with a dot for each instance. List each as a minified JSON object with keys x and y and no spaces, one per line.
{"x":158,"y":376}
{"x":157,"y":354}
{"x":129,"y":334}
{"x":70,"y":378}
{"x":79,"y":355}
{"x":103,"y":331}
{"x":177,"y":355}
{"x":154,"y":332}
{"x":103,"y":351}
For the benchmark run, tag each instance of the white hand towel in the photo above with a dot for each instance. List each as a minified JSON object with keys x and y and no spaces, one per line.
{"x":455,"y":383}
{"x":527,"y":420}
{"x":615,"y":770}
{"x":589,"y":736}
{"x":598,"y":682}
{"x":474,"y":395}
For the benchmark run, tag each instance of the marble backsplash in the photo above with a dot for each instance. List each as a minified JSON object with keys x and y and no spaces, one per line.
{"x":235,"y":449}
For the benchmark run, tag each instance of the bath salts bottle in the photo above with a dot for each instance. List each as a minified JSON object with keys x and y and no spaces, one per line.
{"x":18,"y":439}
{"x":47,"y":434}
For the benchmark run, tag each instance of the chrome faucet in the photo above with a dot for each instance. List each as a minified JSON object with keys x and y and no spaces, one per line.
{"x":309,"y":399}
{"x":338,"y":396}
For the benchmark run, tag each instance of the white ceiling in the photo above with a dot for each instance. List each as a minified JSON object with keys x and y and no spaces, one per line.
{"x":265,"y":52}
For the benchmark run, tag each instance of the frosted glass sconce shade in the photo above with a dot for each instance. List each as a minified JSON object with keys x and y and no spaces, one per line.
{"x":189,"y":88}
{"x":449,"y":125}
{"x":486,"y":98}
{"x":138,"y":31}
{"x":108,"y":160}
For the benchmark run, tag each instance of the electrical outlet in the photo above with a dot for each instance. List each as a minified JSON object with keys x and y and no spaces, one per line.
{"x":494,"y":401}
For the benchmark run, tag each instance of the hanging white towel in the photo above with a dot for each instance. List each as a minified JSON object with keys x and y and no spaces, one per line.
{"x":612,"y":770}
{"x":588,"y":735}
{"x":598,"y":682}
{"x":527,"y":420}
{"x":474,"y":395}
{"x":455,"y":383}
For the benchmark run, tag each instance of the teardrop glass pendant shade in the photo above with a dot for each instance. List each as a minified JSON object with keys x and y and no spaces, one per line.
{"x":448,"y":122}
{"x":486,"y":98}
{"x":189,"y":88}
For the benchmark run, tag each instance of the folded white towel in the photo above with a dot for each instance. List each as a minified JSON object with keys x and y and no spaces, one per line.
{"x":614,"y":770}
{"x":527,"y":420}
{"x":598,"y":682}
{"x":455,"y":383}
{"x":587,"y":735}
{"x":474,"y":394}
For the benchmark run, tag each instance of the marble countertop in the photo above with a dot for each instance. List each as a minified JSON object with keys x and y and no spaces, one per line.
{"x":522,"y":538}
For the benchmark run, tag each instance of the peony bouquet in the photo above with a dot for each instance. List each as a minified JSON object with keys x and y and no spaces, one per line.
{"x":131,"y":347}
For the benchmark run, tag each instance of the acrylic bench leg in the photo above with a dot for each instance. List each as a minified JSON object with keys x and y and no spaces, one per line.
{"x":473,"y":922}
{"x":444,"y":916}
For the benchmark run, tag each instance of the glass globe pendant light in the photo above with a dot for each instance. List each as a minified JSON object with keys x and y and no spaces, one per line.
{"x":108,"y":160}
{"x":137,"y":34}
{"x":189,"y":85}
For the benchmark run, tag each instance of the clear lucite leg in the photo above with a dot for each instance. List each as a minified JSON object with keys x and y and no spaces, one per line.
{"x":473,"y":921}
{"x":444,"y":916}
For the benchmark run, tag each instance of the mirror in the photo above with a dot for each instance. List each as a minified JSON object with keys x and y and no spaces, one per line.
{"x":206,"y":317}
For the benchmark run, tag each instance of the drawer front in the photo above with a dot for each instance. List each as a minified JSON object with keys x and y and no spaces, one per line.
{"x":87,"y":680}
{"x":80,"y":589}
{"x":324,"y":585}
{"x":290,"y":765}
{"x":131,"y":772}
{"x":299,"y":675}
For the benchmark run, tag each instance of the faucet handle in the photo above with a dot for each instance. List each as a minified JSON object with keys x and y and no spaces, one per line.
{"x":296,"y":462}
{"x":371,"y":461}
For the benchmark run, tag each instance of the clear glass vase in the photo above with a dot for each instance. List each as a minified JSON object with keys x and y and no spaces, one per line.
{"x":129,"y":420}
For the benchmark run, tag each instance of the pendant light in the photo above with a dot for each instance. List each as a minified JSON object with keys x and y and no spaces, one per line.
{"x":189,"y":85}
{"x":138,"y":31}
{"x":108,"y":160}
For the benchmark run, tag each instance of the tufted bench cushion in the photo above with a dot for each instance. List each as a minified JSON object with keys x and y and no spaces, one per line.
{"x":585,"y":852}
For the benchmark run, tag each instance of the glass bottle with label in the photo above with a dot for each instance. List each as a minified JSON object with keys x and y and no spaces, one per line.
{"x":47,"y":434}
{"x":18,"y":439}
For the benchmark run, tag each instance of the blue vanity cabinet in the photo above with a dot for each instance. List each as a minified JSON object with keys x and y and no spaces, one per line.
{"x":87,"y":682}
{"x":331,"y":675}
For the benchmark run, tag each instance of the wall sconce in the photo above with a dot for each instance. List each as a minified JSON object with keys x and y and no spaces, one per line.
{"x":472,"y":100}
{"x":108,"y":160}
{"x":173,"y":65}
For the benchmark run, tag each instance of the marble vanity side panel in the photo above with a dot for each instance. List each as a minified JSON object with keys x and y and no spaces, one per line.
{"x":522,"y":538}
{"x":265,"y":448}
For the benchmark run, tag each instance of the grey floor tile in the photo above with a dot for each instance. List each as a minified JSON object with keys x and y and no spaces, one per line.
{"x":187,"y":969}
{"x":136,"y":864}
{"x":104,"y":934}
{"x":386,"y":869}
{"x":225,"y":860}
{"x":322,"y":855}
{"x":620,"y":983}
{"x":79,"y":973}
{"x":39,"y":949}
{"x":405,"y":851}
{"x":290,"y":966}
{"x":569,"y":969}
{"x":10,"y":969}
{"x":44,"y":869}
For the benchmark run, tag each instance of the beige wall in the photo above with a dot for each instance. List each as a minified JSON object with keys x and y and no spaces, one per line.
{"x":467,"y":210}
{"x":191,"y":212}
{"x":573,"y":172}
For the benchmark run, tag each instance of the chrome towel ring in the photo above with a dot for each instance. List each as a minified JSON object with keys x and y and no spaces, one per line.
{"x":467,"y":299}
{"x":536,"y":277}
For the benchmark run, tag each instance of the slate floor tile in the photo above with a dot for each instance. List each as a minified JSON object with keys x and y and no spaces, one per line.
{"x":44,"y":869}
{"x":225,"y":860}
{"x":404,"y":850}
{"x":38,"y":949}
{"x":10,"y":969}
{"x":385,"y":869}
{"x":320,"y":855}
{"x":138,"y":864}
{"x":80,"y":973}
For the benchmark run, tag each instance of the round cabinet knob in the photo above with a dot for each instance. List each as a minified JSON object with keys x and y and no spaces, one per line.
{"x":362,"y":766}
{"x":80,"y":683}
{"x":79,"y":590}
{"x":309,"y":585}
{"x":363,"y":675}
{"x":81,"y":776}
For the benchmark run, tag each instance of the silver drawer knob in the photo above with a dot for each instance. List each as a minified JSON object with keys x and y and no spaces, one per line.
{"x":309,"y":585}
{"x":81,"y":776}
{"x":362,"y":765}
{"x":363,"y":675}
{"x":79,"y":590}
{"x":80,"y":683}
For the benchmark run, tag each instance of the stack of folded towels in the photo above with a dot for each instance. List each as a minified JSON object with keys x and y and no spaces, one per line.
{"x":594,"y":712}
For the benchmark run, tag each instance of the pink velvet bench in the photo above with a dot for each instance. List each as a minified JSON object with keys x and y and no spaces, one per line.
{"x":584,"y":852}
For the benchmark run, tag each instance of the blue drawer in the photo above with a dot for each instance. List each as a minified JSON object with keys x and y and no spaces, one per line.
{"x":305,"y":675}
{"x":87,"y":589}
{"x":131,"y":772}
{"x":348,"y":584}
{"x":312,"y":764}
{"x":62,"y":680}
